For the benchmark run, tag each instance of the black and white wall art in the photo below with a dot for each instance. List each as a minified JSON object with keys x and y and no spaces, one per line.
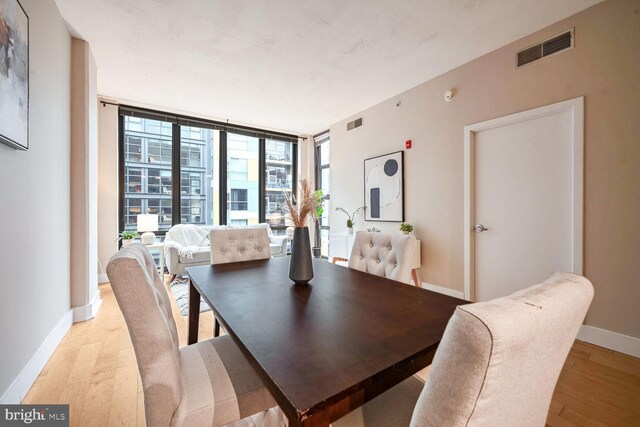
{"x":14,"y":75}
{"x":384,"y":187}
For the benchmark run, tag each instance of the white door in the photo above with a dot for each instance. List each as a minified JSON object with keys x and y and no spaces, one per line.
{"x":525,"y":216}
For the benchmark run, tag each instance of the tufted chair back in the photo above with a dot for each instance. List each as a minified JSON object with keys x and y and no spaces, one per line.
{"x":239,"y":244}
{"x":499,"y":361}
{"x":382,"y":254}
{"x":146,"y":308}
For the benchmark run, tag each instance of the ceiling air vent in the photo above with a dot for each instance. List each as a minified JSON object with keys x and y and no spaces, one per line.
{"x":354,"y":124}
{"x":548,"y":47}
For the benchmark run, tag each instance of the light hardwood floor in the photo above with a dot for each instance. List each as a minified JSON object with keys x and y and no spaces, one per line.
{"x":94,"y":370}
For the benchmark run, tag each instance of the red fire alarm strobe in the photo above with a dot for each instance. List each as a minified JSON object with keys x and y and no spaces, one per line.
{"x":407,"y":144}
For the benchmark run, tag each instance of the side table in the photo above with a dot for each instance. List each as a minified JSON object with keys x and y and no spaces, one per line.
{"x":160,"y":247}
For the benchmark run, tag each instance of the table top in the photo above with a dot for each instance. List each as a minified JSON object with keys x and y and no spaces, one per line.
{"x":340,"y":341}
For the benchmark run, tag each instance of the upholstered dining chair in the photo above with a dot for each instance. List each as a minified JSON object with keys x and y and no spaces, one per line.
{"x":237,"y":245}
{"x":206,"y":384}
{"x":382,"y":254}
{"x":497,"y":364}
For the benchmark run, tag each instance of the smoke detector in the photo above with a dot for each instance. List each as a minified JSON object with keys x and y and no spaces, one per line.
{"x":448,"y":95}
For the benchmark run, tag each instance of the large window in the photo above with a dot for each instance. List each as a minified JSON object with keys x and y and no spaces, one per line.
{"x":202,"y":172}
{"x":323,"y":181}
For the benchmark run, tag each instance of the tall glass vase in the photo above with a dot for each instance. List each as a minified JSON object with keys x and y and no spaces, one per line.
{"x":301,"y":264}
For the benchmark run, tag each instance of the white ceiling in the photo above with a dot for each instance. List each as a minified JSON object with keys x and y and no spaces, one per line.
{"x":291,"y":65}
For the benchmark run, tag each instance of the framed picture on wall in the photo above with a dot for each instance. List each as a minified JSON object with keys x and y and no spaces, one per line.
{"x":384,"y":187}
{"x":14,"y":75}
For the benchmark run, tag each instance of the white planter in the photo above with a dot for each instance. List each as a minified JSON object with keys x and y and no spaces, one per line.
{"x":126,"y":242}
{"x":406,"y":233}
{"x":349,"y":230}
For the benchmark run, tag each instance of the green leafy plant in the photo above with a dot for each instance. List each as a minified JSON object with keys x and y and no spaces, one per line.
{"x":320,"y":198}
{"x":320,"y":205}
{"x":350,"y":217}
{"x":127,"y":235}
{"x":406,"y":227}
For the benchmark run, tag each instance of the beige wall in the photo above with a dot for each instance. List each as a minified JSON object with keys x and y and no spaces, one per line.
{"x":107,"y":184}
{"x":604,"y":66}
{"x":35,"y":198}
{"x":84,"y":180}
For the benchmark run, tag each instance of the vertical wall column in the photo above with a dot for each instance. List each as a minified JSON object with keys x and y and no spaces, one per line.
{"x":85,"y":299}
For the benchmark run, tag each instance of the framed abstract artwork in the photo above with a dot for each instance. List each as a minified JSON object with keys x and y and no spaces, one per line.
{"x":384,"y":187}
{"x":14,"y":75}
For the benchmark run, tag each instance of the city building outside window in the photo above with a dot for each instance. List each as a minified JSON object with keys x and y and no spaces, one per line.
{"x":238,"y":169}
{"x":243,"y":178}
{"x":238,"y":200}
{"x":199,"y":152}
{"x":147,"y":170}
{"x":278,"y":182}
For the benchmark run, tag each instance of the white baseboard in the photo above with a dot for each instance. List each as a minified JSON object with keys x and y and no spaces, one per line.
{"x":611,"y":340}
{"x":443,"y":290}
{"x":102,"y":278}
{"x":89,"y":311}
{"x":25,"y":379}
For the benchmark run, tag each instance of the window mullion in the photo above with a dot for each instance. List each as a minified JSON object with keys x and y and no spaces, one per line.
{"x":176,"y":213}
{"x":223,"y":177}
{"x":262,"y":182}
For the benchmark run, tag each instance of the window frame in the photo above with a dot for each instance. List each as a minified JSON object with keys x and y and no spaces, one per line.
{"x":318,"y":140}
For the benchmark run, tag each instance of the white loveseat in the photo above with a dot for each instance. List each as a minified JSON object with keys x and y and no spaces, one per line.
{"x":187,"y":245}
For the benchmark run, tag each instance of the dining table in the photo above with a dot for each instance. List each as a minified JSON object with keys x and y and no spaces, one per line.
{"x":327,"y":347}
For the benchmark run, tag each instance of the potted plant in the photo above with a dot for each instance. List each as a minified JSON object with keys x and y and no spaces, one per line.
{"x":406,"y":228}
{"x":319,"y":211}
{"x":301,"y":211}
{"x":350,"y":217}
{"x":127,"y":237}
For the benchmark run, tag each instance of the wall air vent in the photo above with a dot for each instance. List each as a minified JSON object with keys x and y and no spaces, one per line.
{"x":546,"y":48}
{"x":354,"y":124}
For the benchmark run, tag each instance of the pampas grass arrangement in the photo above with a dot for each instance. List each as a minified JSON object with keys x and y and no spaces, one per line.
{"x":302,"y":210}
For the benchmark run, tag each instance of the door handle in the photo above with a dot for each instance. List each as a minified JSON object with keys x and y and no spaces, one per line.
{"x":479,"y":228}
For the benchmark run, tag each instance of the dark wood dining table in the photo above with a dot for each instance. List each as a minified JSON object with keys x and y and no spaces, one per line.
{"x":325,"y":348}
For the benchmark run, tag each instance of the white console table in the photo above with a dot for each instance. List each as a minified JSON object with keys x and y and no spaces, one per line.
{"x":160,"y":247}
{"x":340,"y":245}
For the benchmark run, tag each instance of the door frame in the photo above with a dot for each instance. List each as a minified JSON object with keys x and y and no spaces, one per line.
{"x":576,"y":107}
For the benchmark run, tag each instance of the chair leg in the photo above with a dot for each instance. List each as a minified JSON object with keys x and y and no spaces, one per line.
{"x":216,"y":327}
{"x":194,"y":314}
